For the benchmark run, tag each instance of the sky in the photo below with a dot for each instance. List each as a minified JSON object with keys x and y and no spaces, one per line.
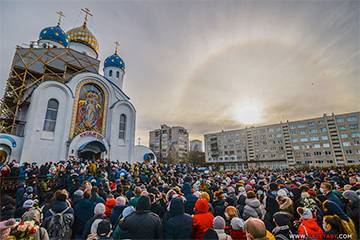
{"x":213,"y":65}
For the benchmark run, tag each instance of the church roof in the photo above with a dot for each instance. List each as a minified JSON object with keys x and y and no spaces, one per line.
{"x":55,"y":34}
{"x":114,"y":61}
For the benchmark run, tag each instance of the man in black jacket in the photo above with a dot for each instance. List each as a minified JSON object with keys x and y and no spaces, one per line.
{"x":143,"y":224}
{"x":282,"y":229}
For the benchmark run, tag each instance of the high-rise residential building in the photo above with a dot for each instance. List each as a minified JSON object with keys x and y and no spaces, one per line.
{"x":330,"y":140}
{"x":196,"y":146}
{"x":170,"y":144}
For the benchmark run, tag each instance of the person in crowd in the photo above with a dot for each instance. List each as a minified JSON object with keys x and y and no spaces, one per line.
{"x":109,"y":204}
{"x":179,"y":223}
{"x":190,"y":198}
{"x":118,"y":232}
{"x":271,"y":205}
{"x":308,"y":227}
{"x":353,"y":210}
{"x":83,"y":211}
{"x":99,"y":214}
{"x":117,"y":209}
{"x":237,"y":229}
{"x":255,"y":229}
{"x":202,"y":219}
{"x":252,"y":207}
{"x":78,"y":196}
{"x":150,"y":222}
{"x":331,"y":208}
{"x":282,"y":222}
{"x":34,"y":214}
{"x":230,"y":213}
{"x":133,"y":201}
{"x":326,"y":189}
{"x":332,"y":227}
{"x":219,"y":227}
{"x":95,"y":197}
{"x":8,"y":207}
{"x":103,"y":231}
{"x":285,"y":205}
{"x":59,"y":219}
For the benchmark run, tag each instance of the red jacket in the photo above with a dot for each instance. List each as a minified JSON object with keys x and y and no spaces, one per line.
{"x":110,"y":202}
{"x":202,"y":220}
{"x":238,"y":235}
{"x":309,"y":228}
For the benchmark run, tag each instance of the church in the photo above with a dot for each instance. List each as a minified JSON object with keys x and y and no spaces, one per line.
{"x":57,"y":106}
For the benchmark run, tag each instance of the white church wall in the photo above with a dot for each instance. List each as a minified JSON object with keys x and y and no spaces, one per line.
{"x":122,"y":150}
{"x":83,"y":49}
{"x":41,"y":146}
{"x":115,"y":72}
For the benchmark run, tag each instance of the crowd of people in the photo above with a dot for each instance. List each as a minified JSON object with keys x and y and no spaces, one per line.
{"x":110,"y":200}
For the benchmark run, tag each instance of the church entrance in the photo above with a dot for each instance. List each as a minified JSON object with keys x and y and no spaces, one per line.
{"x":5,"y":152}
{"x":92,"y":150}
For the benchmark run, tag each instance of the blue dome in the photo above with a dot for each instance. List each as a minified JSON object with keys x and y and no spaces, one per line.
{"x":114,"y":61}
{"x":55,"y":34}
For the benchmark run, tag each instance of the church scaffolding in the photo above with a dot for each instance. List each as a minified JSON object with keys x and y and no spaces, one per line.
{"x":30,"y":67}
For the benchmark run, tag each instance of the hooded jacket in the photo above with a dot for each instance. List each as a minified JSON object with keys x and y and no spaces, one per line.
{"x":252,"y":209}
{"x":150,"y":222}
{"x":202,"y":220}
{"x":84,"y":210}
{"x":190,"y":198}
{"x":310,"y":229}
{"x":179,"y":224}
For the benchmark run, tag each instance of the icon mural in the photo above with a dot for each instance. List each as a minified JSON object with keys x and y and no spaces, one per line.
{"x":90,"y":111}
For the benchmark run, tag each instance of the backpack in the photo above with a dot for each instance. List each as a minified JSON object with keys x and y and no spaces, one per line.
{"x":57,"y":226}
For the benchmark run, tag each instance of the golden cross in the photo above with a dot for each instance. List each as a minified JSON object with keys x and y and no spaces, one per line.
{"x":61,"y":14}
{"x":87,"y":12}
{"x":117,"y":44}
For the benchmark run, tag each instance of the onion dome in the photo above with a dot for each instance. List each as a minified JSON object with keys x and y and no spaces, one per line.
{"x":83,"y":35}
{"x":55,"y":34}
{"x":114,"y":61}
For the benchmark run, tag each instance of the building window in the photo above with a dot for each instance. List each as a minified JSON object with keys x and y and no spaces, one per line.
{"x":355,"y":135}
{"x":323,"y":129}
{"x":316,"y":146}
{"x":326,"y":145}
{"x":340,"y":120}
{"x":344,"y":135}
{"x":324,"y":138}
{"x":122,"y":126}
{"x":51,"y":114}
{"x":110,"y":73}
{"x":117,"y":74}
{"x":313,"y":131}
{"x":346,"y":144}
{"x":303,"y":139}
{"x":352,"y":119}
{"x":314,"y":139}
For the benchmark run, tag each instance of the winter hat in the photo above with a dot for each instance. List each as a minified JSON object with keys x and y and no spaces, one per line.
{"x":28,"y":204}
{"x":78,"y":193}
{"x":242,"y":191}
{"x":143,"y":203}
{"x":351,"y":195}
{"x":237,"y":223}
{"x":305,"y":213}
{"x":273,"y":186}
{"x":282,"y":218}
{"x":120,"y":201}
{"x":99,"y":209}
{"x":219,"y":222}
{"x":29,"y":189}
{"x":104,"y":228}
{"x":281,"y":193}
{"x":127,"y":211}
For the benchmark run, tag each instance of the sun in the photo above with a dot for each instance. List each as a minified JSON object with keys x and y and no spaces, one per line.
{"x":247,"y":113}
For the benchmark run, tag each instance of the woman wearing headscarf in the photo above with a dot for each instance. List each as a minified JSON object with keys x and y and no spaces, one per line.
{"x":179,"y":224}
{"x":331,"y":208}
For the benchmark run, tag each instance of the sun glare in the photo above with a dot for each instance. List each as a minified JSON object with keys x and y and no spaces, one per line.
{"x":247,"y":113}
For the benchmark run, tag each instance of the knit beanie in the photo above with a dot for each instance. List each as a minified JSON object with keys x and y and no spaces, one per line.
{"x":28,"y":204}
{"x":219,"y":222}
{"x":99,"y":209}
{"x":281,"y":193}
{"x":305,"y":213}
{"x":351,"y":195}
{"x":237,"y":223}
{"x":120,"y":201}
{"x":282,"y":218}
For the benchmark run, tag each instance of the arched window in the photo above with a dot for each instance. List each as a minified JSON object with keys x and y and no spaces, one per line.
{"x":51,"y":114}
{"x":122,"y":126}
{"x":117,"y":74}
{"x":110,"y":73}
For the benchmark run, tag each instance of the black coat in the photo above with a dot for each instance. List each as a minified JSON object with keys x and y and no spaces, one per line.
{"x":178,"y":224}
{"x":282,"y":233}
{"x":271,"y":208}
{"x":142,"y":225}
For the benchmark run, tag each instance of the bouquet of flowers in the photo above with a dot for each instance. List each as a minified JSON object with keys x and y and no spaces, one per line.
{"x":24,"y":230}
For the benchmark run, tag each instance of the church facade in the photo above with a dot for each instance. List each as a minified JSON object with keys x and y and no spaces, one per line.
{"x":57,"y":106}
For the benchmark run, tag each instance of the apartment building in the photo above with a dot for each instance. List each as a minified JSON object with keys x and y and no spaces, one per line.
{"x":330,"y":140}
{"x":170,"y":144}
